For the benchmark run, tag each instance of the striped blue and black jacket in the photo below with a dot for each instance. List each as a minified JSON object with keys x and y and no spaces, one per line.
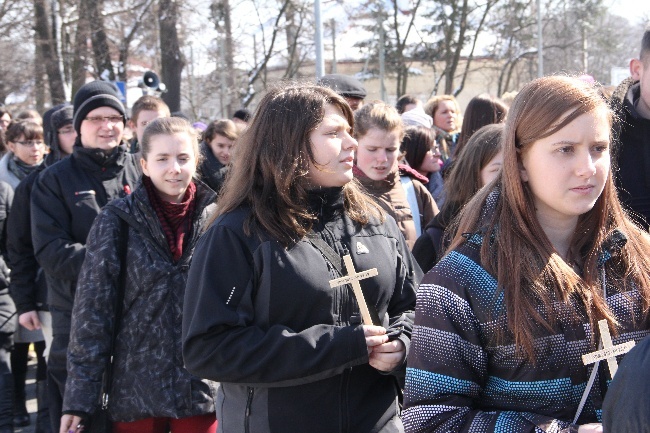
{"x":459,"y":379}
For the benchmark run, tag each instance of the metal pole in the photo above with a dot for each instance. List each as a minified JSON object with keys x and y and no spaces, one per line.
{"x":382,"y":58}
{"x":320,"y":64}
{"x":540,"y":41}
{"x":333,"y":24}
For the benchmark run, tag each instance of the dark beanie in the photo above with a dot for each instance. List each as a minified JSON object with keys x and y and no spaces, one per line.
{"x":94,"y":95}
{"x":58,"y":119}
{"x":344,"y":85}
{"x":47,"y":128}
{"x":242,"y":114}
{"x":61,"y":117}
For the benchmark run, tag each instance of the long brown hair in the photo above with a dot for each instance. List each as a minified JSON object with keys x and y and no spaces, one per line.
{"x":464,"y":179}
{"x":516,"y":249}
{"x":272,"y":165}
{"x":480,"y":111}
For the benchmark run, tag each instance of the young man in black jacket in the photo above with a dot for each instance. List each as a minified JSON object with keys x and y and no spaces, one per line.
{"x":65,"y":201}
{"x":631,"y":103}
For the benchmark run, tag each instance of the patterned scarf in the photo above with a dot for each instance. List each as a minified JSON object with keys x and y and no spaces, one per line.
{"x":175,"y":218}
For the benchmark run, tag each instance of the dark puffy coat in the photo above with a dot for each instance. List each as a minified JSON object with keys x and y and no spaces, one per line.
{"x":211,"y":171}
{"x":288,"y":349}
{"x":66,"y":199}
{"x":627,"y":403}
{"x":149,"y":379}
{"x":633,"y":150}
{"x":7,"y":306}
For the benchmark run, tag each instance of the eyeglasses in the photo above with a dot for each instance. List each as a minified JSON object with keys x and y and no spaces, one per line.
{"x":30,"y":143}
{"x":99,"y":120}
{"x":66,"y":130}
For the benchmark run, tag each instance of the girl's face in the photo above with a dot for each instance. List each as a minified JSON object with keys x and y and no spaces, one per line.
{"x":446,"y":116}
{"x":492,"y":169}
{"x":378,"y":152}
{"x":30,"y":152}
{"x":171,"y":164}
{"x":431,"y":162}
{"x":221,"y":147}
{"x":567,"y":171}
{"x":333,"y":149}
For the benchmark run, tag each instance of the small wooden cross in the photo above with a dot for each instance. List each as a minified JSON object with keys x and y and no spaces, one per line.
{"x":609,"y":351}
{"x":353,"y":278}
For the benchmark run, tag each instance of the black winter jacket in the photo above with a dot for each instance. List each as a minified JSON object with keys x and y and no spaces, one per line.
{"x":28,"y":288}
{"x":7,"y":306}
{"x":633,"y":150}
{"x":66,"y":198}
{"x":288,"y":349}
{"x":211,"y":171}
{"x":149,"y":379}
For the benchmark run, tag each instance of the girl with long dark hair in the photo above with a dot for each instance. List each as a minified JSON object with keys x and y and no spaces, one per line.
{"x":261,"y":316}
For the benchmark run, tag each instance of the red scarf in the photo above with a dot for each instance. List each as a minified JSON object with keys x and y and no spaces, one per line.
{"x":175,"y":218}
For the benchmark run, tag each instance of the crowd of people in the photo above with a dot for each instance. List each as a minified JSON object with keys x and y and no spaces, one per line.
{"x":328,"y":263}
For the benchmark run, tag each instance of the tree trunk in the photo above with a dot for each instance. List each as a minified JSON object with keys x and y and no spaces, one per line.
{"x":47,"y":50}
{"x":39,"y":82}
{"x":80,"y":54}
{"x":103,"y":63}
{"x":172,"y":61}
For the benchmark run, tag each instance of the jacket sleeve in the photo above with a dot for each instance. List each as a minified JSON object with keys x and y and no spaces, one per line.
{"x":54,"y":247}
{"x":402,"y":305}
{"x":24,"y":267}
{"x":6,"y":198}
{"x":92,"y":316}
{"x":222,"y":341}
{"x":428,"y":207}
{"x":447,"y":370}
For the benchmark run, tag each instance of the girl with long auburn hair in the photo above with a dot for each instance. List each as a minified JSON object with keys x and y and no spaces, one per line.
{"x":260,"y":315}
{"x":538,"y":259}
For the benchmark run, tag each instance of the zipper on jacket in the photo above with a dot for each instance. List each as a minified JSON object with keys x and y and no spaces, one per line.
{"x":249,"y":402}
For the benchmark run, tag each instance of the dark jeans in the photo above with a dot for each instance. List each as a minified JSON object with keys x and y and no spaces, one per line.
{"x":19,"y":359}
{"x":6,"y":382}
{"x":57,"y":372}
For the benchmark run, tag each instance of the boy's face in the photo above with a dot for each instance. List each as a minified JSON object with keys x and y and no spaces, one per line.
{"x":640,"y":70}
{"x":144,"y":118}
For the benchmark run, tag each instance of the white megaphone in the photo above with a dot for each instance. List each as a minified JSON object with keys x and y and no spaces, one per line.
{"x":151,"y":82}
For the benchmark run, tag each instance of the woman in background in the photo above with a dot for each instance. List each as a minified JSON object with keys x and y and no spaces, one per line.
{"x":399,"y":191}
{"x":480,"y":111}
{"x":216,"y":149}
{"x":476,"y":166}
{"x":445,"y":111}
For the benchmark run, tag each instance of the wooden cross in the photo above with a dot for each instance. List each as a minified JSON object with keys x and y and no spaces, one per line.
{"x":353,"y":278}
{"x":609,"y":351}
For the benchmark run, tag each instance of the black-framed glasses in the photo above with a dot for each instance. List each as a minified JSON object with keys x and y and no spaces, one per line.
{"x":99,"y":120}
